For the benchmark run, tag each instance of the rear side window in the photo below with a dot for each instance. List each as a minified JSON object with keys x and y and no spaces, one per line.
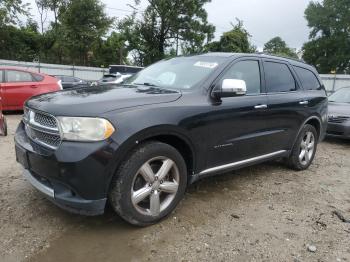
{"x":249,"y":71}
{"x":38,"y":78}
{"x":19,"y":76}
{"x":1,"y":76}
{"x":308,"y":78}
{"x":278,"y":78}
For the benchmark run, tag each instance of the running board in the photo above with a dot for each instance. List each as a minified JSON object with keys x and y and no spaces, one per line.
{"x":241,"y":163}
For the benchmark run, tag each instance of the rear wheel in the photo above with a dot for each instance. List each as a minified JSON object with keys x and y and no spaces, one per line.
{"x":304,"y":149}
{"x":149,"y":185}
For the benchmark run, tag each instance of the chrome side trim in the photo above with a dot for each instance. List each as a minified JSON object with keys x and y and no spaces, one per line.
{"x":39,"y":186}
{"x":242,"y":162}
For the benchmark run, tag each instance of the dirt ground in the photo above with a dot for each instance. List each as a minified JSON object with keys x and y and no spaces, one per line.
{"x":262,"y":213}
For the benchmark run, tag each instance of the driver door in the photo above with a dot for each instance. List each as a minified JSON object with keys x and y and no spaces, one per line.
{"x":239,"y":131}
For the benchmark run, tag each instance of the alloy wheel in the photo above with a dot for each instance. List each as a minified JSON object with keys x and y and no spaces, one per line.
{"x":307,"y":148}
{"x":155,"y":186}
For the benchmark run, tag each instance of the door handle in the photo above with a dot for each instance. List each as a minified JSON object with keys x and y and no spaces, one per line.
{"x":34,"y":86}
{"x":304,"y":102}
{"x":260,"y":106}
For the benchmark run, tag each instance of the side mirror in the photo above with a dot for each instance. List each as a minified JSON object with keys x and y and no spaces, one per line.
{"x":230,"y":88}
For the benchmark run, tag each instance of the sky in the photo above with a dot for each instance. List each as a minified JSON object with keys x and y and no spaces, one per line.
{"x":264,"y":19}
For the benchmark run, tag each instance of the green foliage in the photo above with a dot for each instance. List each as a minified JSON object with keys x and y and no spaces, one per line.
{"x":235,"y":40}
{"x":20,"y":43}
{"x":329,"y":45}
{"x":277,"y":46}
{"x":166,"y":25}
{"x":84,"y":22}
{"x":9,"y":11}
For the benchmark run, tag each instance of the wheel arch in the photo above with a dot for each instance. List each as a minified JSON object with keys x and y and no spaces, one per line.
{"x":315,"y":121}
{"x":171,"y":135}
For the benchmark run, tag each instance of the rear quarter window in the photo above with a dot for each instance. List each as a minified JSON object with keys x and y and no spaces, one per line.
{"x":37,"y":78}
{"x":308,"y":79}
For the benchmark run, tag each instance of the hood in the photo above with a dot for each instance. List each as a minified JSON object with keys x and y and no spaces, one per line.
{"x":338,"y":109}
{"x":97,"y":100}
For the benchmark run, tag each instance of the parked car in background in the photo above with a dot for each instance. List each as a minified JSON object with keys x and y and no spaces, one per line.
{"x":72,"y":82}
{"x":141,"y":143}
{"x":3,"y":123}
{"x":17,"y":85}
{"x":113,"y":79}
{"x":124,"y":69}
{"x":339,"y":113}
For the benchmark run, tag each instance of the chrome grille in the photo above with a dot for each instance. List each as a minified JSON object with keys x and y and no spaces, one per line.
{"x":338,"y":119}
{"x":52,"y":140}
{"x":45,"y":120}
{"x":42,"y":128}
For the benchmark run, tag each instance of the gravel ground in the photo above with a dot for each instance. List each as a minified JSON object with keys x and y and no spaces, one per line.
{"x":262,"y":213}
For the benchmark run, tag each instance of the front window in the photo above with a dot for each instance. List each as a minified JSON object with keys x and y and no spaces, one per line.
{"x":341,"y":96}
{"x":177,"y":73}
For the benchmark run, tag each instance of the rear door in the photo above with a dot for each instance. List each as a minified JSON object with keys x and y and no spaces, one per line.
{"x":285,"y":110}
{"x":18,"y":87}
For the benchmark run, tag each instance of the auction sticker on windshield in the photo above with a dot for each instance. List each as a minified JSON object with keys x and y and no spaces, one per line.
{"x":210,"y":65}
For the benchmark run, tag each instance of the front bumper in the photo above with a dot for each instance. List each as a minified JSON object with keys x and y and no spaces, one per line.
{"x":341,"y":130}
{"x":75,"y":176}
{"x":65,"y":199}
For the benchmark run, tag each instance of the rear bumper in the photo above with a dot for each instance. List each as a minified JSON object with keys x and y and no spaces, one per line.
{"x":339,"y":130}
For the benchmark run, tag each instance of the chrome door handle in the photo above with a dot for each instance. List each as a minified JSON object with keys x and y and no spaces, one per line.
{"x":304,"y":102}
{"x":260,"y":106}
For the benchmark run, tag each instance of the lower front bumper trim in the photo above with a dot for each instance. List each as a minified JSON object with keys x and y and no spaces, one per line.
{"x":39,"y":186}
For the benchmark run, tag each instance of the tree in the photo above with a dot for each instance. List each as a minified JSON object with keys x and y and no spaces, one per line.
{"x":329,"y":45}
{"x":166,"y":25}
{"x":235,"y":40}
{"x":20,"y":43}
{"x":42,"y":6}
{"x":277,"y":46}
{"x":83,"y":23}
{"x":9,"y":11}
{"x":113,"y":50}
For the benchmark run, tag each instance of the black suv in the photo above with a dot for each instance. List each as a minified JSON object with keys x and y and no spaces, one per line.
{"x":140,"y":144}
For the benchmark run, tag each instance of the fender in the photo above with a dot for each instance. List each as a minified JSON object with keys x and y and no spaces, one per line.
{"x":127,"y":146}
{"x":303,"y":124}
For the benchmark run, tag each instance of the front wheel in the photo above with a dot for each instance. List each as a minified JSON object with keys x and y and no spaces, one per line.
{"x":304,"y":149}
{"x":149,"y":185}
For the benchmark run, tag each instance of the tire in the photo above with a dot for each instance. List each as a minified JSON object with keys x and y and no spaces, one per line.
{"x":304,"y":150}
{"x":139,"y":182}
{"x":4,"y":128}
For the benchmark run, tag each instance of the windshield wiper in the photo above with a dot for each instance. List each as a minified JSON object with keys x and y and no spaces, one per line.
{"x":145,"y":84}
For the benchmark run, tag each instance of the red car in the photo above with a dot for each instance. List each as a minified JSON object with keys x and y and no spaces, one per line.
{"x":17,"y":85}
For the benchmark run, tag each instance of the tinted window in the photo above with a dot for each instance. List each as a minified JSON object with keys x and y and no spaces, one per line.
{"x":278,"y":77}
{"x":249,"y":71}
{"x":19,"y":76}
{"x":308,"y":79}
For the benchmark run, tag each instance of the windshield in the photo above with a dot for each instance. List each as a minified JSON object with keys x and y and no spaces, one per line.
{"x":176,"y":73}
{"x":341,"y":96}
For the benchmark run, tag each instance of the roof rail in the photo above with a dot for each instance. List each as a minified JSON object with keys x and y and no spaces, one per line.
{"x":281,"y":56}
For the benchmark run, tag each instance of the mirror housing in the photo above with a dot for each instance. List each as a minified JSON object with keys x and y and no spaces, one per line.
{"x":231,"y":88}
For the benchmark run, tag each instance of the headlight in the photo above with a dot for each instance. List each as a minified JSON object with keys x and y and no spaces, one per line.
{"x":85,"y":128}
